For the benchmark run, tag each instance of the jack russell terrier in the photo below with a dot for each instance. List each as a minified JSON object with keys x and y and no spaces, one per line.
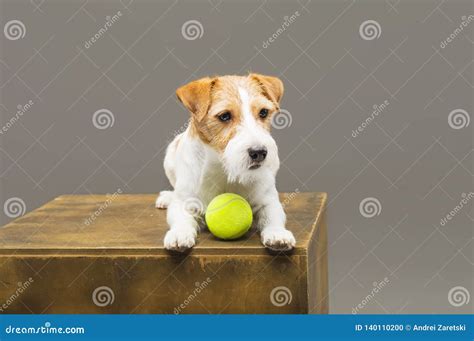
{"x":227,"y":147}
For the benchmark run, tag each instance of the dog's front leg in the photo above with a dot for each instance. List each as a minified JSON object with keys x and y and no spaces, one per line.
{"x":183,"y":225}
{"x":271,"y":222}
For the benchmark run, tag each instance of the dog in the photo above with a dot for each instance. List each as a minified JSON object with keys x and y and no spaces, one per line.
{"x":227,"y":147}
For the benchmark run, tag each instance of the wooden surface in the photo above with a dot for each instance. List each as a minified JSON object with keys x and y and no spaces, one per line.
{"x":122,"y":249}
{"x":131,"y":224}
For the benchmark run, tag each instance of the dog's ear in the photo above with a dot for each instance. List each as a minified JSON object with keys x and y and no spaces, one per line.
{"x":196,"y":96}
{"x":271,"y":86}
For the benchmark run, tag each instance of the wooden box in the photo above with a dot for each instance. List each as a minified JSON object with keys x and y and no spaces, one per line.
{"x":104,"y":254}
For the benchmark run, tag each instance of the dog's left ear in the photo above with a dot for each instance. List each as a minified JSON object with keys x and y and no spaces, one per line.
{"x":271,"y":86}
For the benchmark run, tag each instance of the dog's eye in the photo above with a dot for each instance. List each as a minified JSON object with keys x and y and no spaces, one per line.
{"x":263,"y":113}
{"x":226,"y":116}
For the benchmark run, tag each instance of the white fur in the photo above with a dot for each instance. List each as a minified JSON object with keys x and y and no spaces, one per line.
{"x":198,"y":174}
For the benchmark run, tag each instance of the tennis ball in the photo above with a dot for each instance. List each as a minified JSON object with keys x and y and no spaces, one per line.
{"x":228,"y":216}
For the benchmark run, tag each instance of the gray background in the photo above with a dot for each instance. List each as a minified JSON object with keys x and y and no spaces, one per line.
{"x":409,"y":158}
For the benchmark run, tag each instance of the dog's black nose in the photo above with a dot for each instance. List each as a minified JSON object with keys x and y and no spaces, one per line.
{"x":257,"y":155}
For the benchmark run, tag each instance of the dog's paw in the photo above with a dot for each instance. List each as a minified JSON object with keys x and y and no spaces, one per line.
{"x":180,"y":239}
{"x":164,"y":199}
{"x":278,"y":239}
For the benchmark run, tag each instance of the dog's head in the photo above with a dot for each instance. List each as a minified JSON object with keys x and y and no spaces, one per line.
{"x":232,"y":115}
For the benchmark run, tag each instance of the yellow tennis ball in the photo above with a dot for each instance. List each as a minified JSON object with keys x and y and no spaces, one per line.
{"x":228,"y":216}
